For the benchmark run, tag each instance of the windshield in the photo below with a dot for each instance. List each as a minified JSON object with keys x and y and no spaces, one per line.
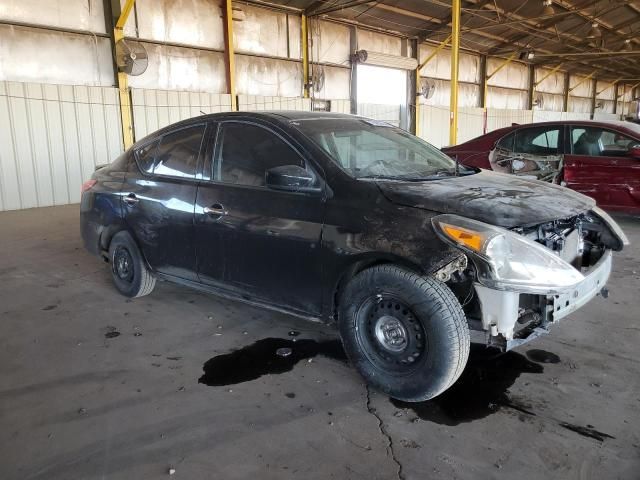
{"x":373,"y":149}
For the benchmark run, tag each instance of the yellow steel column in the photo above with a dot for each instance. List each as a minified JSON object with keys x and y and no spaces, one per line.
{"x":229,"y":52}
{"x":455,"y":56}
{"x":305,"y":56}
{"x":123,"y":84}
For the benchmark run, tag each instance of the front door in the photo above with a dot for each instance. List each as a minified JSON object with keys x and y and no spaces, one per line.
{"x":600,"y":166}
{"x":270,"y":238}
{"x":158,"y":198}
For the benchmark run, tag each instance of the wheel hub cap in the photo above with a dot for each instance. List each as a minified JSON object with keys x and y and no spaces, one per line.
{"x":122,"y":264}
{"x":391,"y":333}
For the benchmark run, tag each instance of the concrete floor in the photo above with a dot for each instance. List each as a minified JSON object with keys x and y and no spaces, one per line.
{"x":79,"y":401}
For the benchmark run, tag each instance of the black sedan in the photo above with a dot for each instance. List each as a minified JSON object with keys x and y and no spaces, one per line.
{"x":356,"y":223}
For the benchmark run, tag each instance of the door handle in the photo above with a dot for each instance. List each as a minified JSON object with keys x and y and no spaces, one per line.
{"x":131,"y":199}
{"x":215,"y":210}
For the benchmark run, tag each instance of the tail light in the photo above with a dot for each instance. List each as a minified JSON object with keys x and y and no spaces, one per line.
{"x":88,"y":185}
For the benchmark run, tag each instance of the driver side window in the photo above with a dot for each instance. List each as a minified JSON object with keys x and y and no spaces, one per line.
{"x":245,"y":152}
{"x":599,"y":142}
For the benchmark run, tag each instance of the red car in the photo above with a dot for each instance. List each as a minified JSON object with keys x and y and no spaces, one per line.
{"x":599,"y":159}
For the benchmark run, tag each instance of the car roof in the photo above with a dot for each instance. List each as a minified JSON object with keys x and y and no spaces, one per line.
{"x":626,"y":127}
{"x":599,"y":123}
{"x":277,"y":115}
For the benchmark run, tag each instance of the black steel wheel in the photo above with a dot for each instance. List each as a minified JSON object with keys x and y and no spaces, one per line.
{"x":122,"y":264}
{"x":130,"y":273}
{"x":389,"y":333}
{"x":406,"y":334}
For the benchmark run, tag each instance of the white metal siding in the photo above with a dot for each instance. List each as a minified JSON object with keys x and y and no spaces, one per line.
{"x":499,"y":118}
{"x":51,"y":139}
{"x":341,"y":106}
{"x":606,"y":117}
{"x":386,"y":113}
{"x":252,"y":103}
{"x":434,"y":124}
{"x":155,"y":109}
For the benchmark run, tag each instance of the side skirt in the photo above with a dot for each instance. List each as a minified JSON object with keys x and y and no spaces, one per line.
{"x":236,"y":296}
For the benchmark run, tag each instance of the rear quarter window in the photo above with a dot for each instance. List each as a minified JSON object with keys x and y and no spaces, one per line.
{"x":178,"y":152}
{"x":145,"y":156}
{"x":506,"y":142}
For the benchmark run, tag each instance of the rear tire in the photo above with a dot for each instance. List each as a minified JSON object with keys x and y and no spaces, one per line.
{"x":406,"y":334}
{"x":130,"y":274}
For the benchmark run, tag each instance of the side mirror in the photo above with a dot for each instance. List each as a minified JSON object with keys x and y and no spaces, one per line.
{"x":634,"y":151}
{"x":291,"y":178}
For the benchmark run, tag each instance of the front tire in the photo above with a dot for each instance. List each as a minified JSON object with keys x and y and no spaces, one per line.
{"x":130,"y":274}
{"x":406,"y":334}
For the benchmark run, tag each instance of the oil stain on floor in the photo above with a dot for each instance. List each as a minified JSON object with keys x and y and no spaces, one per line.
{"x":542,"y":356}
{"x":587,"y":431}
{"x":480,"y":391}
{"x":260,"y":358}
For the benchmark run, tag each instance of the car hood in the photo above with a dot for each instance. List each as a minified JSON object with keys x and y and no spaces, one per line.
{"x":495,"y":198}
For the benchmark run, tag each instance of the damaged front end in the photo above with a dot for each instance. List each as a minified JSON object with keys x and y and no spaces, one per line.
{"x":518,"y":282}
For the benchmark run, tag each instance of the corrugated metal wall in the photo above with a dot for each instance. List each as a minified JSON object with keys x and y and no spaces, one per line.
{"x":434,"y":124}
{"x":51,"y":139}
{"x":155,"y":109}
{"x":499,"y":118}
{"x":254,"y":103}
{"x":385,"y":113}
{"x":341,"y":106}
{"x":546,"y":116}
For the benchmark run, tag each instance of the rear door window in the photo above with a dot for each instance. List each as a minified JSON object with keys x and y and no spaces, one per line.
{"x":538,"y":141}
{"x":178,"y":152}
{"x":246,"y":151}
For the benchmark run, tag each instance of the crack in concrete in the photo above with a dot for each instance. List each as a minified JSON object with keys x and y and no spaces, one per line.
{"x":390,"y":451}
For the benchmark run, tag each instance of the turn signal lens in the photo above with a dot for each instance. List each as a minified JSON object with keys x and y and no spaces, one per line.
{"x":88,"y":185}
{"x":505,"y":260}
{"x":468,"y":238}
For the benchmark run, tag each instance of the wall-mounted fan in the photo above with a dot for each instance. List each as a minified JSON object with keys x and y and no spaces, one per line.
{"x":427,"y":88}
{"x":538,"y":102}
{"x":131,"y":57}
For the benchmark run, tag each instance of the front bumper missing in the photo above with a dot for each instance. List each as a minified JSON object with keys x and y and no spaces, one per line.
{"x":500,"y":309}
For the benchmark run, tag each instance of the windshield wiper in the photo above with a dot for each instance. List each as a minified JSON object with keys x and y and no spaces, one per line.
{"x":430,"y":176}
{"x":381,"y":177}
{"x":442,"y":173}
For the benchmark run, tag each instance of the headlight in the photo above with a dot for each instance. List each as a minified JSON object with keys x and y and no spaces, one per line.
{"x":506,"y":260}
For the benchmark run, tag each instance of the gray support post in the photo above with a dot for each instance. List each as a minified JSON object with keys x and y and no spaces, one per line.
{"x":594,"y":84}
{"x":565,"y":92}
{"x":353,"y":87}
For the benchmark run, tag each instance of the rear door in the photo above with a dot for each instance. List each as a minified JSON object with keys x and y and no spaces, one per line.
{"x":599,"y":166}
{"x":270,"y":238}
{"x":532,"y":151}
{"x":159,"y":199}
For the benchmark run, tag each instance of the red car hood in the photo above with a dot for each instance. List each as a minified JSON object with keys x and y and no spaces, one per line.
{"x":495,"y":198}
